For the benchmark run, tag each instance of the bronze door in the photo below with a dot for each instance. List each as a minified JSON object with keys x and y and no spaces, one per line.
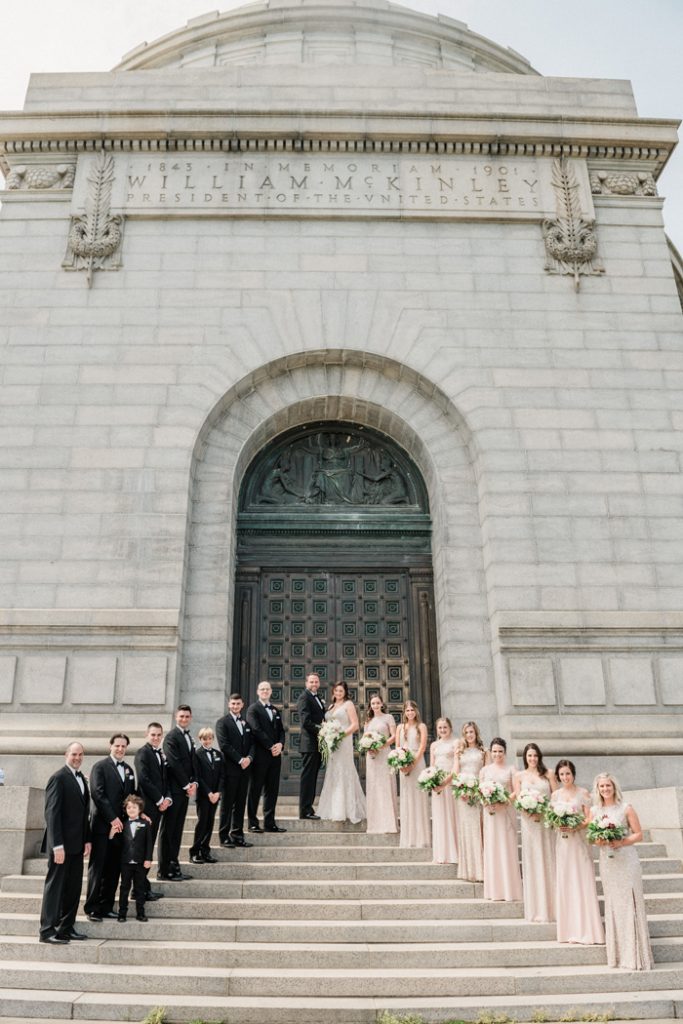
{"x":367,"y":628}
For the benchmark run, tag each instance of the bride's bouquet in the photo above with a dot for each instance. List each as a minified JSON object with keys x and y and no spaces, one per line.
{"x":399,"y":758}
{"x":370,"y":742}
{"x":491,"y":792}
{"x":430,"y":778}
{"x":604,"y":829}
{"x":329,"y":738}
{"x":466,"y":787}
{"x":531,"y":802}
{"x":563,"y":814}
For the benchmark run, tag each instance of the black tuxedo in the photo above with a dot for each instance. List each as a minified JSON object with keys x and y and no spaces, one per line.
{"x":153,"y":785}
{"x":137,"y":844}
{"x":311,"y":716}
{"x":182,"y":772}
{"x":234,"y":747}
{"x":265,"y":772}
{"x":210,"y":780}
{"x":67,"y":821}
{"x":108,"y":792}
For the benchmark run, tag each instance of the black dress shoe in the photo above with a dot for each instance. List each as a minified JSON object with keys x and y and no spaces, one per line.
{"x":276,"y":828}
{"x":121,"y":917}
{"x":243,"y":844}
{"x":256,"y":828}
{"x":95,"y":918}
{"x":209,"y":859}
{"x":166,"y":878}
{"x":309,"y":817}
{"x":228,"y":844}
{"x":196,"y":859}
{"x":54,"y":940}
{"x":74,"y":936}
{"x":180,"y":877}
{"x":152,"y":897}
{"x":110,"y":915}
{"x":142,"y":917}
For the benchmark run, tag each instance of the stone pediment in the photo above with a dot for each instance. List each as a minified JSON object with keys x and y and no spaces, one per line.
{"x":367,"y":32}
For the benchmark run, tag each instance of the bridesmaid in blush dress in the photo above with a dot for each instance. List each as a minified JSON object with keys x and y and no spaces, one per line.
{"x":538,"y":842}
{"x":628,"y":939}
{"x":441,"y":755}
{"x":412,"y":733}
{"x":502,"y":880}
{"x":470,"y":758}
{"x":576,"y":899}
{"x":380,"y":783}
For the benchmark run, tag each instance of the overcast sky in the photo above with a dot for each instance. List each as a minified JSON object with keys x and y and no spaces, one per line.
{"x":635,"y":39}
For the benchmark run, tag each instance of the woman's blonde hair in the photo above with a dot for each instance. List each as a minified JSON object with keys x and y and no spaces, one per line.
{"x":595,"y":796}
{"x":446,"y":720}
{"x":478,"y":741}
{"x":404,"y":721}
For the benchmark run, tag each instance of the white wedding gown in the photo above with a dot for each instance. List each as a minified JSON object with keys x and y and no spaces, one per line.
{"x":342,"y":797}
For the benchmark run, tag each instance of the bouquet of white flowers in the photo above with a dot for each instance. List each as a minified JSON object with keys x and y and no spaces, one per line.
{"x":466,"y":787}
{"x":330,"y":736}
{"x":491,"y":792}
{"x":400,"y":758}
{"x":370,"y":742}
{"x":531,"y":802}
{"x":563,"y":814}
{"x":605,"y":829}
{"x":430,"y":778}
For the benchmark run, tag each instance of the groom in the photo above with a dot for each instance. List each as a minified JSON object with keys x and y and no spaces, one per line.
{"x":311,"y":716}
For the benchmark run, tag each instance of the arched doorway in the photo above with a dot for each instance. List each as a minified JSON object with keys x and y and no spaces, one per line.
{"x":334,"y":573}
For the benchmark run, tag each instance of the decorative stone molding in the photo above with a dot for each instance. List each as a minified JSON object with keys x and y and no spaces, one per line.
{"x":94,"y":241}
{"x":623,"y":183}
{"x":570,"y":241}
{"x":42,"y":177}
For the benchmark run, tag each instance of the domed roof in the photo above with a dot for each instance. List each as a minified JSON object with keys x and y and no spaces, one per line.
{"x":361,"y":32}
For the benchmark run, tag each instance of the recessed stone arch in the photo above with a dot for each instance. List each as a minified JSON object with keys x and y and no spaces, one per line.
{"x":372,"y":391}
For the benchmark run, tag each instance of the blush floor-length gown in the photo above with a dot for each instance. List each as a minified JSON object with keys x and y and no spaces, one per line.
{"x":380,"y":783}
{"x":444,"y":844}
{"x":415,"y":829}
{"x":468,"y":822}
{"x":626,"y":930}
{"x":502,"y":880}
{"x":342,"y":797}
{"x":538,"y":857}
{"x":576,"y":898}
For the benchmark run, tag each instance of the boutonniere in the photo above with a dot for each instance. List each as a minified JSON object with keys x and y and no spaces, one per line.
{"x":247,"y":729}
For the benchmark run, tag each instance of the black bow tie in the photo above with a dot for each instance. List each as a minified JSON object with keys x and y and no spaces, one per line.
{"x":186,"y":732}
{"x":79,"y":775}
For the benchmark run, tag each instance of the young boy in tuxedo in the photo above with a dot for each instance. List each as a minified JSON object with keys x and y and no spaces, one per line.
{"x":137,"y":843}
{"x":209,"y":763}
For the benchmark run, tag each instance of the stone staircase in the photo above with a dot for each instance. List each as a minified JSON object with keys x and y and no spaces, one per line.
{"x":326,"y":924}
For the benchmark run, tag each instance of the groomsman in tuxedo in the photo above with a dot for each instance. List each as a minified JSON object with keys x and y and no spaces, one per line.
{"x":182,"y":777}
{"x":268,"y":731}
{"x":111,"y":782}
{"x":153,"y":785}
{"x":67,"y":842}
{"x":236,"y":743}
{"x":311,"y":716}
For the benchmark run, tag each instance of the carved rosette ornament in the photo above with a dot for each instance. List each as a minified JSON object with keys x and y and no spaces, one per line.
{"x":94,"y":241}
{"x":623,"y":183}
{"x":42,"y":178}
{"x":571,"y":244}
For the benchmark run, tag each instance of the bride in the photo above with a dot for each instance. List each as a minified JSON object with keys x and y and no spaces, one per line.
{"x":342,"y":796}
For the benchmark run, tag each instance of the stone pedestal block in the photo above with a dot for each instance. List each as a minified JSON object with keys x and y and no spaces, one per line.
{"x":21,"y":826}
{"x":661,"y":813}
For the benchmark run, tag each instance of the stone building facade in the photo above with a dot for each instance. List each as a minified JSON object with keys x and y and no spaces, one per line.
{"x":345,"y":250}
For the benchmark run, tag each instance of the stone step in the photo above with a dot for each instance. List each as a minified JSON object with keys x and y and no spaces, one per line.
{"x":386,"y":982}
{"x":339,"y":909}
{"x":310,"y":886}
{"x":512,"y":929}
{"x":290,"y":889}
{"x":130,"y":949}
{"x":32,"y":1004}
